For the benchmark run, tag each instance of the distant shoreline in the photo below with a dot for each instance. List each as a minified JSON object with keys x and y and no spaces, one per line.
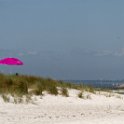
{"x":110,"y":84}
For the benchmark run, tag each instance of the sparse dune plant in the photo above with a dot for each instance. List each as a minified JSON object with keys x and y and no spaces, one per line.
{"x":32,"y":85}
{"x":37,"y":89}
{"x":19,"y":87}
{"x":90,"y":89}
{"x":64,"y":92}
{"x":53,"y":90}
{"x":88,"y":96}
{"x":5,"y":97}
{"x":80,"y":94}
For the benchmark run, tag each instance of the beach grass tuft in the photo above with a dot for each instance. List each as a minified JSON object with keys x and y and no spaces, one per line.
{"x":20,"y":85}
{"x":64,"y":92}
{"x":80,"y":94}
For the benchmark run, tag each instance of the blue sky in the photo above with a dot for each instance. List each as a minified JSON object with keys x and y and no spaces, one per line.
{"x":64,"y":39}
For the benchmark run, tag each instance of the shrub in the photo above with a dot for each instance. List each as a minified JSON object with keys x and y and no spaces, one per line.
{"x":5,"y":98}
{"x":90,"y":89}
{"x":53,"y":90}
{"x":64,"y":92}
{"x":37,"y":89}
{"x":28,"y":98}
{"x":80,"y":95}
{"x":88,"y":96}
{"x":19,"y":87}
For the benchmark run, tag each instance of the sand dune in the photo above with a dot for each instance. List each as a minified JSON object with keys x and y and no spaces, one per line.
{"x":100,"y":108}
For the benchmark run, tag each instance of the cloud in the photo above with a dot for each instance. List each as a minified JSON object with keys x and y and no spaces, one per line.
{"x":28,"y":53}
{"x":120,"y":52}
{"x":8,"y":52}
{"x":116,"y":53}
{"x":103,"y":53}
{"x":32,"y":53}
{"x":60,"y":54}
{"x":98,"y":53}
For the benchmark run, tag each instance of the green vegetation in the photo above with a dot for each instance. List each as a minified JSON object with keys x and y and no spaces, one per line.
{"x":25,"y":85}
{"x":5,"y":98}
{"x":80,"y":95}
{"x":64,"y":92}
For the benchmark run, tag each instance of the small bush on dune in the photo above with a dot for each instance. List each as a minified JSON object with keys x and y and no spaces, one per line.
{"x":19,"y":87}
{"x":18,"y":100}
{"x":64,"y":92}
{"x":13,"y":85}
{"x":40,"y":88}
{"x":5,"y":98}
{"x":53,"y":90}
{"x":88,"y":96}
{"x":90,"y":89}
{"x":37,"y":89}
{"x":28,"y":99}
{"x":5,"y":84}
{"x":80,"y":95}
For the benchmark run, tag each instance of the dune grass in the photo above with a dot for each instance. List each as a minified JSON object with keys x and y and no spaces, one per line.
{"x":64,"y":92}
{"x":80,"y":94}
{"x":26,"y":85}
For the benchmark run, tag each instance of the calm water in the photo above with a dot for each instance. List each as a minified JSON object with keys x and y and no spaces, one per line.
{"x":99,"y":83}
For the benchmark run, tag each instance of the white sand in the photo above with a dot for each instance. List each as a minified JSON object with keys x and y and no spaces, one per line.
{"x":100,"y":109}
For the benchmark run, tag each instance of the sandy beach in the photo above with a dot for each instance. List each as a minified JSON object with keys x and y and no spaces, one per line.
{"x":99,"y":108}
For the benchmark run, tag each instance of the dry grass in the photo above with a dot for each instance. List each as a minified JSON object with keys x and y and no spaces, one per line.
{"x":64,"y":92}
{"x":20,"y":85}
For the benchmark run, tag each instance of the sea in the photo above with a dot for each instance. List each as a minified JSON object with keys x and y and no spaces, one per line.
{"x":111,"y":84}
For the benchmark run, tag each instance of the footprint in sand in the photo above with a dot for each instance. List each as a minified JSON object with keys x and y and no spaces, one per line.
{"x":82,"y":114}
{"x":73,"y":116}
{"x":57,"y":116}
{"x":50,"y":117}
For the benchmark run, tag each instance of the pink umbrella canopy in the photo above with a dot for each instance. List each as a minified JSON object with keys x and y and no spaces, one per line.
{"x":11,"y":61}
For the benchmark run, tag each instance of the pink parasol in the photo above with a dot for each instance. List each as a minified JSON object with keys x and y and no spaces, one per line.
{"x":11,"y":61}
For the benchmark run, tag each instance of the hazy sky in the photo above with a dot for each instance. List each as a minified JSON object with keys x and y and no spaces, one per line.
{"x":64,"y":39}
